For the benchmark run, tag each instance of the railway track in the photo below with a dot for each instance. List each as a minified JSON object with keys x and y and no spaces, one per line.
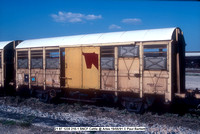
{"x":50,"y":115}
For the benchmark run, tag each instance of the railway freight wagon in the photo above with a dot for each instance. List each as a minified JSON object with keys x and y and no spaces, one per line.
{"x":132,"y":67}
{"x":7,"y":71}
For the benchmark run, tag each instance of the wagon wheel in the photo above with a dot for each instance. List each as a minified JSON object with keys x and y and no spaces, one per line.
{"x":52,"y":93}
{"x":141,"y":108}
{"x":198,"y":107}
{"x":44,"y":97}
{"x":31,"y":92}
{"x":48,"y":96}
{"x":135,"y":107}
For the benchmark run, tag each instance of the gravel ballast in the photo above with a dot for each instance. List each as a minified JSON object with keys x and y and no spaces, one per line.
{"x":73,"y":115}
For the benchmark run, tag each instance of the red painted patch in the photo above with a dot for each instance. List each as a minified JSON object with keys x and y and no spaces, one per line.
{"x":91,"y":58}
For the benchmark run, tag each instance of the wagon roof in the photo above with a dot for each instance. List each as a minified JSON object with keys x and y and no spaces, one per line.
{"x":101,"y":38}
{"x":4,"y":43}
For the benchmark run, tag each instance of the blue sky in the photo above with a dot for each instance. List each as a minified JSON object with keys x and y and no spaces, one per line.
{"x":29,"y":19}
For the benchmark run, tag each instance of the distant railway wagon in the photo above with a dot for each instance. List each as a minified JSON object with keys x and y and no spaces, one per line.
{"x":192,"y":60}
{"x":130,"y":67}
{"x":7,"y":71}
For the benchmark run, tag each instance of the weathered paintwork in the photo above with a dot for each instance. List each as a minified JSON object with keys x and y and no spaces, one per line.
{"x":73,"y":70}
{"x":155,"y":82}
{"x":128,"y":74}
{"x":108,"y":80}
{"x":82,"y":67}
{"x":20,"y":77}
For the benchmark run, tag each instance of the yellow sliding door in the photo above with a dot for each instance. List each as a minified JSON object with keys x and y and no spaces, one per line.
{"x":82,"y":67}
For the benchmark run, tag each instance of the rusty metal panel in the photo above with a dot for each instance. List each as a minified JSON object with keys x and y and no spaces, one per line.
{"x":37,"y":78}
{"x":73,"y":66}
{"x":155,"y":82}
{"x":20,"y":76}
{"x":108,"y":80}
{"x":128,"y":74}
{"x":52,"y":77}
{"x":91,"y":67}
